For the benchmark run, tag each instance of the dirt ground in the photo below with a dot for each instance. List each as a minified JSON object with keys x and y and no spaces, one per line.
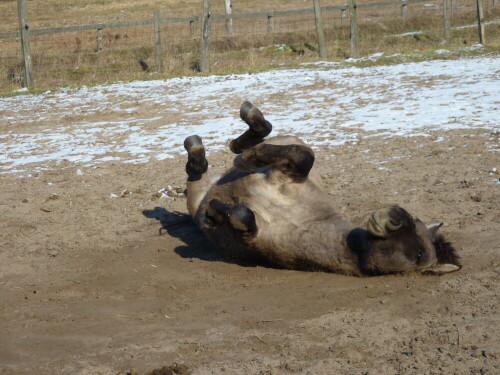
{"x":100,"y":274}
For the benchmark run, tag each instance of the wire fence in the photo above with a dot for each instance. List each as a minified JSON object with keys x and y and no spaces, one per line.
{"x":103,"y":54}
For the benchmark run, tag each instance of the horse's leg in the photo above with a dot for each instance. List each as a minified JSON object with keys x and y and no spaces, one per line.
{"x":196,"y":169}
{"x":259,"y":128}
{"x":293,"y":160}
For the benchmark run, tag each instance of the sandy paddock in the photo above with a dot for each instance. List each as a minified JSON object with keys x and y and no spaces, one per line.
{"x":102,"y":272}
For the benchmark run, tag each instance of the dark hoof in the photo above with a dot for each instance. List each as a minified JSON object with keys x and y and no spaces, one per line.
{"x":239,"y":216}
{"x":244,"y":109}
{"x":197,"y":163}
{"x":192,"y":141}
{"x":259,"y":128}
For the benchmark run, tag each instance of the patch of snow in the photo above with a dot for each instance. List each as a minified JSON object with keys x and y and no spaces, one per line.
{"x":327,"y":106}
{"x":493,"y":22}
{"x":372,"y":57}
{"x":411,"y":33}
{"x":475,"y":47}
{"x":322,"y":63}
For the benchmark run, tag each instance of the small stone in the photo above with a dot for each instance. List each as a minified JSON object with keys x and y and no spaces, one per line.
{"x":475,"y":198}
{"x":24,"y":200}
{"x":53,"y":253}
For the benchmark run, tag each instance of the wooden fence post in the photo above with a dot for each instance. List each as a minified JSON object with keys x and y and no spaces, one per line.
{"x":157,"y":33}
{"x":270,"y":24}
{"x":480,"y":22}
{"x":342,"y":16}
{"x":229,"y":22}
{"x":320,"y":32}
{"x":447,"y":20}
{"x":205,"y":38}
{"x":404,"y":9}
{"x":28,"y":81}
{"x":354,"y":29}
{"x":192,"y":29}
{"x":99,"y":40}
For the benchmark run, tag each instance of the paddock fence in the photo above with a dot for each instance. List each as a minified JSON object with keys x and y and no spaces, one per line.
{"x":230,"y":41}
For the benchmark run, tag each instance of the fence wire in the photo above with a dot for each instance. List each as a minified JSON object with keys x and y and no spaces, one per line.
{"x":130,"y":52}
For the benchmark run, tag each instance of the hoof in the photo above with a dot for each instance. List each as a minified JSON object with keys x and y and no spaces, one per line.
{"x":197,"y":162}
{"x":259,"y":127}
{"x":191,"y":142}
{"x":244,"y":109}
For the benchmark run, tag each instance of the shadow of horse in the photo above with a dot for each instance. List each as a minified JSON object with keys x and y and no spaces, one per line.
{"x":197,"y":245}
{"x":180,"y":225}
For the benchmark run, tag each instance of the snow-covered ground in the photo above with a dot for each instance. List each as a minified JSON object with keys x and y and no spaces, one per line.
{"x":326,"y":104}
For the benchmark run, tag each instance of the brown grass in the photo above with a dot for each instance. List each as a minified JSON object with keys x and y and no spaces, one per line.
{"x":71,"y":59}
{"x":50,"y":13}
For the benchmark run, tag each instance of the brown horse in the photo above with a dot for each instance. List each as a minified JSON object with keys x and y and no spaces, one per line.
{"x":271,"y":205}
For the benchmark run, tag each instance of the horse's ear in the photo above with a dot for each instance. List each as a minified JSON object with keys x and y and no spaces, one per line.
{"x":433,"y":228}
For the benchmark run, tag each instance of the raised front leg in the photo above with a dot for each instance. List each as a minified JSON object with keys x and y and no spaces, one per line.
{"x":197,"y":164}
{"x":293,"y":160}
{"x":196,"y":168}
{"x":259,"y":128}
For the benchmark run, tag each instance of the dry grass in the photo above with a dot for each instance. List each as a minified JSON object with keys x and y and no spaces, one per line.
{"x":50,"y":13}
{"x":70,"y":59}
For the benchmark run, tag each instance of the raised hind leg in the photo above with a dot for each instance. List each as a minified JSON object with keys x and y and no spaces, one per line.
{"x":286,"y":154}
{"x":293,"y":160}
{"x":259,"y":128}
{"x":196,"y":168}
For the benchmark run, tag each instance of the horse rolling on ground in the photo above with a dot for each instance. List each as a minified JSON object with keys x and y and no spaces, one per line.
{"x":271,"y":206}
